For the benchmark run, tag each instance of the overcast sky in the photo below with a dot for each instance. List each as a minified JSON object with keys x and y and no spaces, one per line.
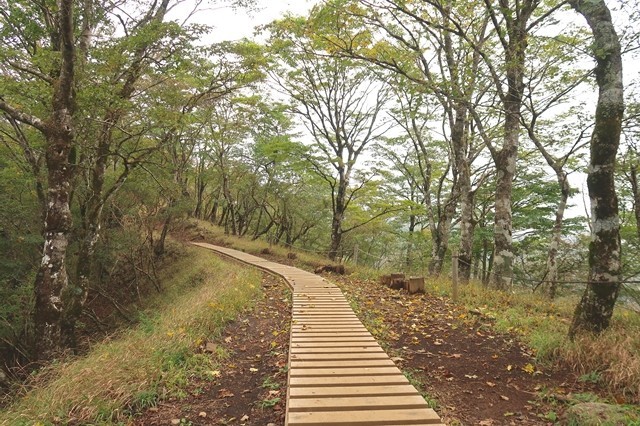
{"x":230,"y":24}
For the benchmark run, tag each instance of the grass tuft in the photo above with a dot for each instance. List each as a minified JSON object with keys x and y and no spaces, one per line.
{"x":138,"y":367}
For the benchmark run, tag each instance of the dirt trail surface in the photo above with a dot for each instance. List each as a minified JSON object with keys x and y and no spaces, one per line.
{"x":250,"y":387}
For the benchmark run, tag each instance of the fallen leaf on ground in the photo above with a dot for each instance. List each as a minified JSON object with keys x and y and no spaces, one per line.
{"x":225,"y":393}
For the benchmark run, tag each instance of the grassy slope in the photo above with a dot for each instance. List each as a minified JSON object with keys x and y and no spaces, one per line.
{"x":150,"y":361}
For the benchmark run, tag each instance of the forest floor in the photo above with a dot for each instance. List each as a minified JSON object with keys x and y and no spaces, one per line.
{"x":470,"y":374}
{"x":250,"y":388}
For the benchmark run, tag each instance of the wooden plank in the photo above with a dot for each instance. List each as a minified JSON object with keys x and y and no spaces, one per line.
{"x":397,"y":379}
{"x":347,"y":391}
{"x":365,"y":417}
{"x":349,"y":344}
{"x":357,"y":403}
{"x":345,"y":371}
{"x":301,"y":334}
{"x":384,"y":362}
{"x":315,"y":356}
{"x":296,"y":338}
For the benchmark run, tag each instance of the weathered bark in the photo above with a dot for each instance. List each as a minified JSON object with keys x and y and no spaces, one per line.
{"x":339,"y":208}
{"x":467,"y":224}
{"x":505,"y":158}
{"x":54,"y":308}
{"x":595,"y":309}
{"x":441,"y":235}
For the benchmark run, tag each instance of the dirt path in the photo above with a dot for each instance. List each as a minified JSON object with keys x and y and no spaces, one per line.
{"x":250,"y":387}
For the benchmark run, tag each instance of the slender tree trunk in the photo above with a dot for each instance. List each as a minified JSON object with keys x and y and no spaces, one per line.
{"x":441,"y":236}
{"x":552,"y":255}
{"x":595,"y":309}
{"x":633,"y":178}
{"x":159,"y":247}
{"x":410,"y":244}
{"x":467,"y":228}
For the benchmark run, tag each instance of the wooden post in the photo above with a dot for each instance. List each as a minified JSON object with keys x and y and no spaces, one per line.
{"x":454,"y":275}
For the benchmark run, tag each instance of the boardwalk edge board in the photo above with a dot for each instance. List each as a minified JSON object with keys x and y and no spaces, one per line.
{"x":338,"y":374}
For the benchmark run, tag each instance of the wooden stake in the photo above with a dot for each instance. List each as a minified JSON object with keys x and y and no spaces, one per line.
{"x":454,"y":275}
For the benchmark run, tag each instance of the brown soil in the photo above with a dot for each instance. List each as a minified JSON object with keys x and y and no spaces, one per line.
{"x":252,"y":385}
{"x":474,"y":375}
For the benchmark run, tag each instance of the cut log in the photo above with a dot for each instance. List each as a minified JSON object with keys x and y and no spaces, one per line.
{"x":415,"y":285}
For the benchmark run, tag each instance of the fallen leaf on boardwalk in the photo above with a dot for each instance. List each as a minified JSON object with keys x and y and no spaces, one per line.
{"x":225,"y":393}
{"x":504,"y":398}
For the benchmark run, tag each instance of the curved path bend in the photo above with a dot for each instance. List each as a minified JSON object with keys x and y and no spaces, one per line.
{"x":338,"y":373}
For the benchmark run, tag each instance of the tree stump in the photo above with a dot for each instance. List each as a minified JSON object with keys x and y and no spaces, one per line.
{"x":415,"y":285}
{"x":385,"y":280}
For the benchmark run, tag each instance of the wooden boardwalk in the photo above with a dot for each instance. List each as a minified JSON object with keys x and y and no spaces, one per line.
{"x":338,"y":373}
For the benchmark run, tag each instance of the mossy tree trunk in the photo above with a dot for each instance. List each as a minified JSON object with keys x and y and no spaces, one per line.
{"x":595,"y":309}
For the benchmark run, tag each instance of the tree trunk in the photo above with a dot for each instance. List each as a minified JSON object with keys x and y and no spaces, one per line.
{"x":633,"y":178}
{"x":339,"y":209}
{"x":54,"y":328}
{"x":552,"y":255}
{"x":441,"y":236}
{"x":159,"y":247}
{"x":505,"y":159}
{"x":467,"y":228}
{"x":595,"y":309}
